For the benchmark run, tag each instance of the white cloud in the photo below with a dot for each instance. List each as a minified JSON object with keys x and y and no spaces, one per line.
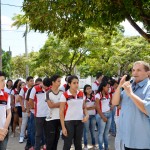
{"x":6,"y":23}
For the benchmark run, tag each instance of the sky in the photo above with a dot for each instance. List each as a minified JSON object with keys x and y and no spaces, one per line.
{"x":13,"y":38}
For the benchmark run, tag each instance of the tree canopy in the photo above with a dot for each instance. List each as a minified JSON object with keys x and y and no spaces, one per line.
{"x":71,"y":17}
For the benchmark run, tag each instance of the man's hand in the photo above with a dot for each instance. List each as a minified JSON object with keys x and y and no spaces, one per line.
{"x":127,"y":87}
{"x":122,"y":81}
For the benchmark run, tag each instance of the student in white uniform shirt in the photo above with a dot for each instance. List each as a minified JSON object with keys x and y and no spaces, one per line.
{"x":5,"y":113}
{"x":96,"y":83}
{"x":53,"y":125}
{"x":8,"y":86}
{"x":15,"y":103}
{"x":22,"y":96}
{"x":103,"y":116}
{"x":90,"y":124}
{"x":73,"y":114}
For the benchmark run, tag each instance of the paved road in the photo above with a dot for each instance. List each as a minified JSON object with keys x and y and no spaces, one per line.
{"x":13,"y":143}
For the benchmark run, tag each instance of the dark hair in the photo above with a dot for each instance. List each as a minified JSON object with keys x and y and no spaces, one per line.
{"x":8,"y":81}
{"x":70,"y":80}
{"x":38,"y":80}
{"x":112,"y":82}
{"x":29,"y":78}
{"x":54,"y":78}
{"x":47,"y":81}
{"x":99,"y":74}
{"x":103,"y":84}
{"x":15,"y":84}
{"x":67,"y":76}
{"x":2,"y":73}
{"x":84,"y":89}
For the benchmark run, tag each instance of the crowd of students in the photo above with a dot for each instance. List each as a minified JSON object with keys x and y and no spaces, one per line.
{"x":43,"y":111}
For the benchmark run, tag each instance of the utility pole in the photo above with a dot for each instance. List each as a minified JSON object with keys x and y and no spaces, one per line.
{"x":26,"y":51}
{"x":0,"y":39}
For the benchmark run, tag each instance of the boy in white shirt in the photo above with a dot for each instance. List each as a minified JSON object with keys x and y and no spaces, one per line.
{"x":5,"y":113}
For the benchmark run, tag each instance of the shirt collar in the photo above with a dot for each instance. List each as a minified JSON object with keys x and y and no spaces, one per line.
{"x":1,"y":92}
{"x":69,"y":93}
{"x":142,"y":83}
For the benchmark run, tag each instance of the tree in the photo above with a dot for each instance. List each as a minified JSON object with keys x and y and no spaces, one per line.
{"x":117,"y":58}
{"x":22,"y":20}
{"x":71,"y":17}
{"x":57,"y":56}
{"x":6,"y":60}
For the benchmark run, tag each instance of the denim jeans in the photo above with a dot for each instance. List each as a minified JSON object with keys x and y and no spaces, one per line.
{"x":113,"y":125}
{"x":24,"y":124}
{"x":52,"y":134}
{"x":89,"y":126}
{"x":32,"y":127}
{"x":40,"y":127}
{"x":75,"y":132}
{"x":3,"y":144}
{"x":103,"y":130}
{"x":28,"y":144}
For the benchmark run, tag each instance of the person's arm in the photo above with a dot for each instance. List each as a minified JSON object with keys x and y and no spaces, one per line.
{"x":99,"y":110}
{"x":117,"y":96}
{"x":90,"y":107}
{"x":140,"y":104}
{"x":62,"y":117}
{"x":51,"y":104}
{"x":86,"y":115}
{"x":4,"y":130}
{"x":31,"y":98}
{"x":21,"y":95}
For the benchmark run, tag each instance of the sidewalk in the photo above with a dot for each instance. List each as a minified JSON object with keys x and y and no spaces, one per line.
{"x":13,"y":144}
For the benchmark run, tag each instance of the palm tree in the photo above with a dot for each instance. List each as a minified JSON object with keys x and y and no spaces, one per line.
{"x":19,"y":21}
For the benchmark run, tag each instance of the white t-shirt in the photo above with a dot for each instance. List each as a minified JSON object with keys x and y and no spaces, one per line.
{"x":104,"y":102}
{"x":89,"y":103}
{"x":74,"y":105}
{"x":7,"y":90}
{"x":16,"y":97}
{"x":55,"y":98}
{"x":23,"y":94}
{"x":4,"y":106}
{"x":95,"y":86}
{"x":38,"y":95}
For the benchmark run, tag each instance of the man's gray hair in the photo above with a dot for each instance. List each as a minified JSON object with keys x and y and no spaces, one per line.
{"x":145,"y":64}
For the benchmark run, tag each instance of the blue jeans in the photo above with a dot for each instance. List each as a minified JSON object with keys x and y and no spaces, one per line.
{"x":103,"y":130}
{"x":3,"y":144}
{"x":32,"y":127}
{"x":89,"y":125}
{"x":113,"y":125}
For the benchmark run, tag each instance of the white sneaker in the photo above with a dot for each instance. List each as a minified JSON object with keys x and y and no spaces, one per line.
{"x":21,"y":139}
{"x":85,"y":148}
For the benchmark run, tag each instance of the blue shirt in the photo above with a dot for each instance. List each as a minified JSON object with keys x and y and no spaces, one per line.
{"x":134,"y":124}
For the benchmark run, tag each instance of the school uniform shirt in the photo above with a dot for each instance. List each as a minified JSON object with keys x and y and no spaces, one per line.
{"x":7,"y":90}
{"x":55,"y":98}
{"x":95,"y":86}
{"x":38,"y":95}
{"x":4,"y":106}
{"x":104,"y":102}
{"x":89,"y":103}
{"x":16,"y":94}
{"x":74,"y":105}
{"x":63,"y":87}
{"x":23,"y":94}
